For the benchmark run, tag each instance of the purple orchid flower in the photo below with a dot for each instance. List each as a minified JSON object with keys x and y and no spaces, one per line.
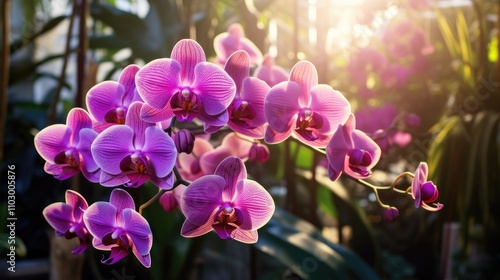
{"x":118,"y":228}
{"x":187,"y":87}
{"x":67,"y":219}
{"x":66,"y":148}
{"x":302,"y":108}
{"x":246,"y":112}
{"x":270,"y":73}
{"x":108,"y":101}
{"x":234,"y":39}
{"x":133,"y":153}
{"x":351,"y":151}
{"x":226,"y":202}
{"x":424,"y":191}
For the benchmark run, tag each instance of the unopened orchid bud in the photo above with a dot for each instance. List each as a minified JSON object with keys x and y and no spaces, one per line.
{"x":391,"y":214}
{"x":184,"y":141}
{"x":258,"y":152}
{"x":168,"y":201}
{"x":413,"y":120}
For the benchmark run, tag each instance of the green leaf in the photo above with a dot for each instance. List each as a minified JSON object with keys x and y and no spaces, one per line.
{"x":493,"y":50}
{"x":325,"y":201}
{"x":297,"y":244}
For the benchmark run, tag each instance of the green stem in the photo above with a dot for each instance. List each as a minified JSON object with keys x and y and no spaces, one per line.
{"x":153,"y":199}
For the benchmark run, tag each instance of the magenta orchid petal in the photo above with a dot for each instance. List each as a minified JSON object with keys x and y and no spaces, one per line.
{"x":111,"y":147}
{"x":418,"y":181}
{"x":212,"y":123}
{"x":77,"y":120}
{"x":201,"y":198}
{"x":214,"y":86}
{"x":364,"y":142}
{"x":255,"y":203}
{"x":110,"y":180}
{"x":254,"y":91}
{"x":153,"y":115}
{"x":122,"y":200}
{"x":332,"y":105}
{"x":137,"y":228}
{"x":438,"y":206}
{"x":52,"y":140}
{"x":117,"y":253}
{"x":274,"y":137}
{"x":127,"y":80}
{"x":336,"y":152}
{"x":78,"y":203}
{"x":59,"y":215}
{"x":238,"y":67}
{"x":165,"y":183}
{"x":100,"y":219}
{"x":270,"y":73}
{"x":104,"y":97}
{"x":281,"y":104}
{"x":192,"y":230}
{"x":145,"y":260}
{"x":158,"y":80}
{"x":239,"y":145}
{"x":232,"y":170}
{"x":188,"y":53}
{"x":135,"y":122}
{"x":60,"y":172}
{"x":209,"y":161}
{"x":305,"y":75}
{"x":87,"y":137}
{"x":245,"y":236}
{"x":161,"y":151}
{"x":229,"y":42}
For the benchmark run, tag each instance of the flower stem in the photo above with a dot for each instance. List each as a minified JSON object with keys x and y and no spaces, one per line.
{"x":153,"y":199}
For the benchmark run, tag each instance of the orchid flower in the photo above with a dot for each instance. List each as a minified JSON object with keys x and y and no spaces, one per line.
{"x":226,"y":202}
{"x":364,"y":62}
{"x":234,"y":39}
{"x":270,"y":73}
{"x":246,"y":112}
{"x":424,"y":191}
{"x":67,"y":219}
{"x":133,"y":153}
{"x":118,"y":228}
{"x":189,"y":165}
{"x":351,"y":151}
{"x":108,"y":101}
{"x":66,"y":148}
{"x":185,"y":86}
{"x":232,"y":145}
{"x":302,"y":108}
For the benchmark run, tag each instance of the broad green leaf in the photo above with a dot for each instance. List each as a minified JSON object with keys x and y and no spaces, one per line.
{"x":303,"y":249}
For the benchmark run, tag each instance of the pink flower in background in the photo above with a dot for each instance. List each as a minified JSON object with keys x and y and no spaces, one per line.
{"x":118,"y":228}
{"x":231,"y":145}
{"x":246,"y":112}
{"x":234,"y":39}
{"x":226,"y":202}
{"x":187,"y":87}
{"x":378,"y":122}
{"x":133,"y":153}
{"x":302,"y":108}
{"x":270,"y":73}
{"x":395,"y":76}
{"x":108,"y":101}
{"x":66,"y":148}
{"x":424,"y":191}
{"x":170,"y":200}
{"x":364,"y":62}
{"x":189,"y":165}
{"x":351,"y":151}
{"x":67,"y":219}
{"x":419,"y":4}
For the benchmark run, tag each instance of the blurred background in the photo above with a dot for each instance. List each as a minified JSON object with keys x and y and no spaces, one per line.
{"x":422,"y":76}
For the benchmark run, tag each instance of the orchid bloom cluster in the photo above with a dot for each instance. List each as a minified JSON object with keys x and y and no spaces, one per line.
{"x":132,"y":133}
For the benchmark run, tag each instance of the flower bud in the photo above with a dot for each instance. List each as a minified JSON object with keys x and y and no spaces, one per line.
{"x":258,"y":152}
{"x":413,"y":120}
{"x":184,"y":141}
{"x":391,"y":214}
